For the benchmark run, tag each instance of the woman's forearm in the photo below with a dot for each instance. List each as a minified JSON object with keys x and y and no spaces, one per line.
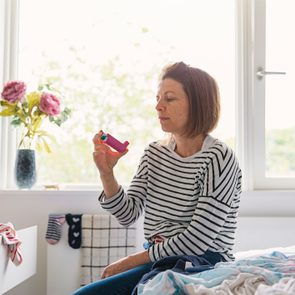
{"x":110,"y":185}
{"x":140,"y":258}
{"x":126,"y":263}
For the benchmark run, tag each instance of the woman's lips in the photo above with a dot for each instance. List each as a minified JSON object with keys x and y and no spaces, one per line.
{"x":163,"y":119}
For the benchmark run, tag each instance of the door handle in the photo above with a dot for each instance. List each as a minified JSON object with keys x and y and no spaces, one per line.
{"x":261,"y":73}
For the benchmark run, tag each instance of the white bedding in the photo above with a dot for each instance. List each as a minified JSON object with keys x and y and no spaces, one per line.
{"x":250,"y":253}
{"x":256,"y":272}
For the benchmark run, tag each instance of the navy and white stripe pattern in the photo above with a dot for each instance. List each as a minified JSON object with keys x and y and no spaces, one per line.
{"x":192,"y":203}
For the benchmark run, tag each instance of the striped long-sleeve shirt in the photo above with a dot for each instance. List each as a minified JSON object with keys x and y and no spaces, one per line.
{"x":191,"y":203}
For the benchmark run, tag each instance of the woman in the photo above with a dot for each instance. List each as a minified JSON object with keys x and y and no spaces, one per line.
{"x":189,"y":186}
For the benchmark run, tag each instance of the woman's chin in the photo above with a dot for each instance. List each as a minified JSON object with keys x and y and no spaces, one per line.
{"x":165,"y":129}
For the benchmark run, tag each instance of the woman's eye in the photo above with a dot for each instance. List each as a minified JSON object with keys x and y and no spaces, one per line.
{"x":170,"y":98}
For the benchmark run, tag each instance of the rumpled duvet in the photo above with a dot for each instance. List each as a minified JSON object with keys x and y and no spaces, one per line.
{"x":270,"y":274}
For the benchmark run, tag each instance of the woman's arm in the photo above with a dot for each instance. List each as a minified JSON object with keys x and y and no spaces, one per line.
{"x":128,"y":205}
{"x":105,"y":160}
{"x":126,"y":263}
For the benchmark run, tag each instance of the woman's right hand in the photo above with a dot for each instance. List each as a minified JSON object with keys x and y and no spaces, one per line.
{"x":104,"y":157}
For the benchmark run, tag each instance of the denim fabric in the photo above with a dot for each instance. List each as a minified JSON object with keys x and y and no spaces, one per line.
{"x":120,"y":284}
{"x":126,"y":283}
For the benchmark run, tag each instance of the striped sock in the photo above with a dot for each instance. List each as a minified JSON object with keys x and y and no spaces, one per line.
{"x":53,"y":233}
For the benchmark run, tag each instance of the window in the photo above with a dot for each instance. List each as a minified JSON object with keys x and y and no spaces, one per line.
{"x":106,"y":57}
{"x":273,"y":95}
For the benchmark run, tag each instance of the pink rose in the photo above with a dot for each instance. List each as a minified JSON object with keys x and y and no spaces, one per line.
{"x":49,"y":104}
{"x":14,"y":91}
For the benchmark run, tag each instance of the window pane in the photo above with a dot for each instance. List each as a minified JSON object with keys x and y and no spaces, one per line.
{"x":105,"y":58}
{"x":279,"y":97}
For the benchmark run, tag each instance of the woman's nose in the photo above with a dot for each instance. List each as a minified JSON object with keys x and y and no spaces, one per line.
{"x":159,"y":106}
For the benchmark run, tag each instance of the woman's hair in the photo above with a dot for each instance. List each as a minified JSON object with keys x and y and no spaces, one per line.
{"x":203,"y":95}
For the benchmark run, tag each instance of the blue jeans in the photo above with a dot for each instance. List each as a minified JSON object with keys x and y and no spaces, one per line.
{"x":124,"y":283}
{"x":120,"y":284}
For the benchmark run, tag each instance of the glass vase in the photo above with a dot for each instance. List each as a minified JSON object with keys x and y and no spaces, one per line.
{"x":25,"y":168}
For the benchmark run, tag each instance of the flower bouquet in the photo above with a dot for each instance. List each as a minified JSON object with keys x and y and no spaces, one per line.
{"x":29,"y":110}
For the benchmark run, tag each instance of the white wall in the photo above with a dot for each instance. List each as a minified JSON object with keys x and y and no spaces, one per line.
{"x":27,"y":208}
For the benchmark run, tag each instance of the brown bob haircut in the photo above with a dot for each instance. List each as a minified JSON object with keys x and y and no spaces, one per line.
{"x":203,"y":95}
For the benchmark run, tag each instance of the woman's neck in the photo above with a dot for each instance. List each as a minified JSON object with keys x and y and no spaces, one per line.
{"x":188,"y":146}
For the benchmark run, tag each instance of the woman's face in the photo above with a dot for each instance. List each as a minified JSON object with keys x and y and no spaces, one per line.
{"x":172,"y":107}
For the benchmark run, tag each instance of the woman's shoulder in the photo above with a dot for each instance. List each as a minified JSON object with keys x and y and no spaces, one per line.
{"x":157,"y":145}
{"x":211,"y":143}
{"x":216,"y":147}
{"x":159,"y":148}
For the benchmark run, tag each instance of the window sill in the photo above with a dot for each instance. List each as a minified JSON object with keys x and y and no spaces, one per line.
{"x":268,"y":203}
{"x":253,"y":203}
{"x":51,"y":192}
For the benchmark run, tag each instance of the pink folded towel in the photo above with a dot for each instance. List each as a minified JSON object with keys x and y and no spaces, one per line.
{"x":12,"y":242}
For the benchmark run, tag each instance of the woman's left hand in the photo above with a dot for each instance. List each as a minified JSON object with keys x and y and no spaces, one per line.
{"x":125,"y":264}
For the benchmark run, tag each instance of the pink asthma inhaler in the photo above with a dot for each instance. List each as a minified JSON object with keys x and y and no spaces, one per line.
{"x":113,"y":142}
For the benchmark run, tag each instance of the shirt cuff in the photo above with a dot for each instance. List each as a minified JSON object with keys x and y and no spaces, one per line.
{"x":151,"y":251}
{"x":113,"y":203}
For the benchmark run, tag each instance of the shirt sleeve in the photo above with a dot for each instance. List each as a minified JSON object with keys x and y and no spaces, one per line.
{"x":128,"y":205}
{"x":220,"y":180}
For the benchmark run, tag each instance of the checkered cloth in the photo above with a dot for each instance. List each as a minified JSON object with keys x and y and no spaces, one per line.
{"x":104,"y":241}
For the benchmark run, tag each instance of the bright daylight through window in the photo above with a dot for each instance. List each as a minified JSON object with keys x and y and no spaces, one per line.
{"x":279,"y":97}
{"x":105,"y":59}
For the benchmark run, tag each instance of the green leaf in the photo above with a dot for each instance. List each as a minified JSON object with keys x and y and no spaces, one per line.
{"x":64,"y":115}
{"x":16,"y":122}
{"x":67,"y":111}
{"x":58,"y":122}
{"x":21,"y":115}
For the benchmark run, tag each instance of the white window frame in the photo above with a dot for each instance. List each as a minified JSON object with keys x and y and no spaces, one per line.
{"x":9,"y":51}
{"x":250,"y":113}
{"x":260,"y":180}
{"x":244,"y":104}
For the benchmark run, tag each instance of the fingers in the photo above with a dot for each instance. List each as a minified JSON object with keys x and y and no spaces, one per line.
{"x":100,"y":146}
{"x":118,"y":155}
{"x":97,"y":138}
{"x":103,"y":275}
{"x":106,"y":273}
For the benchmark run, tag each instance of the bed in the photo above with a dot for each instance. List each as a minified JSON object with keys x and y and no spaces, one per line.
{"x":261,"y":272}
